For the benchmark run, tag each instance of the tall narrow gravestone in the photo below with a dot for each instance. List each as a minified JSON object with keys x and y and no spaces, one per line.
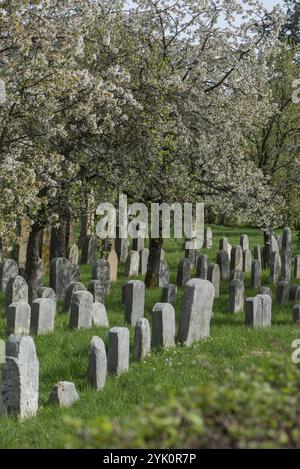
{"x":236,"y":260}
{"x":196,"y":311}
{"x":9,"y":269}
{"x":142,"y":339}
{"x":97,"y":367}
{"x":16,"y":290}
{"x":236,"y":296}
{"x":163,"y":325}
{"x":224,"y":264}
{"x":258,"y":311}
{"x":20,"y":378}
{"x":134,"y":300}
{"x":60,"y":276}
{"x":183,"y":272}
{"x":81,"y":310}
{"x":118,"y":350}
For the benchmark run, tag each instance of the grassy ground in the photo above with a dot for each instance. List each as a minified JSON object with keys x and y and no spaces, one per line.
{"x":63,"y":356}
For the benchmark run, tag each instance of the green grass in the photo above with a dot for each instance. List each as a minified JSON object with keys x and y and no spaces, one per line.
{"x":63,"y":355}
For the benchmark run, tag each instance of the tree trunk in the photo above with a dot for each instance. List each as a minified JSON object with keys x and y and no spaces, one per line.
{"x":151,"y":279}
{"x":59,"y":241}
{"x":32,"y":261}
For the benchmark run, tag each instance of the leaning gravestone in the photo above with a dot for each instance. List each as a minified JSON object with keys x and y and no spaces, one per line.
{"x":224,"y":264}
{"x":47,"y":292}
{"x":20,"y":378}
{"x":118,"y":350}
{"x":275,"y":267}
{"x":101,"y":272}
{"x":169,"y":294}
{"x":202,"y":266}
{"x":74,"y":254}
{"x":132,"y":264}
{"x":134,"y":300}
{"x":297,"y":267}
{"x":142,"y":339}
{"x":43,"y":312}
{"x":213,"y":275}
{"x":282,"y":293}
{"x":183,"y":272}
{"x":112,"y":259}
{"x":8,"y":269}
{"x":236,"y":260}
{"x":73,"y":287}
{"x":64,"y":394}
{"x":163,"y":325}
{"x":60,"y":276}
{"x":97,"y":367}
{"x":144,"y":256}
{"x":196,"y":311}
{"x":255,"y":274}
{"x":16,"y":290}
{"x":18,"y":318}
{"x":100,"y":315}
{"x":81,"y":310}
{"x":247,"y":260}
{"x":236,"y":296}
{"x":244,"y":242}
{"x":97,"y":289}
{"x":258,"y":311}
{"x":163,"y":274}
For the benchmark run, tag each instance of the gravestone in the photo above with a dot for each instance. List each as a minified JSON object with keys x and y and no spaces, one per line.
{"x":101,"y":272}
{"x":194,"y":323}
{"x":236,"y":296}
{"x":224,"y":264}
{"x":47,"y":292}
{"x":286,"y":257}
{"x":224,"y":245}
{"x":266,"y":291}
{"x":183,"y":272}
{"x":255,"y":274}
{"x":297,"y":267}
{"x":97,"y":366}
{"x":257,"y":254}
{"x":144,"y":256}
{"x":247,"y":260}
{"x":99,"y":315}
{"x":142,"y":339}
{"x":39,"y":275}
{"x":92,"y":250}
{"x":190,"y":251}
{"x":163,"y":325}
{"x":18,"y":318}
{"x":43,"y":312}
{"x":9,"y":269}
{"x":121,"y":246}
{"x":258,"y":311}
{"x":163,"y":275}
{"x":294,"y":294}
{"x":208,"y":238}
{"x":275,"y":267}
{"x":112,"y":259}
{"x":282,"y":293}
{"x":74,"y":273}
{"x":46,"y":248}
{"x":213,"y":275}
{"x":64,"y":394}
{"x":74,"y":286}
{"x":244,"y":242}
{"x":132,"y":264}
{"x":118,"y":350}
{"x":97,"y":289}
{"x":138,"y":243}
{"x":296,"y":314}
{"x":20,"y":378}
{"x":60,"y":276}
{"x":202,"y":266}
{"x":236,"y":274}
{"x":16,"y":290}
{"x":236,"y":260}
{"x":134,"y":300}
{"x":74,"y":254}
{"x":169,"y":294}
{"x":81,"y":310}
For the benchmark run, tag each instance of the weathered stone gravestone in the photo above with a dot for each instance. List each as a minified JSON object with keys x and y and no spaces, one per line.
{"x":132,"y":264}
{"x":213,"y":275}
{"x":274,"y":245}
{"x":74,"y":273}
{"x":60,"y":276}
{"x":236,"y":260}
{"x":297,"y":267}
{"x":118,"y":350}
{"x":144,"y":256}
{"x":163,"y":325}
{"x":9,"y":269}
{"x":74,"y":254}
{"x":138,"y":243}
{"x":286,"y":257}
{"x":257,"y":254}
{"x":169,"y":294}
{"x":190,"y":251}
{"x":266,"y":291}
{"x":224,"y":264}
{"x":18,"y":318}
{"x":258,"y":311}
{"x":294,"y":294}
{"x":163,"y":274}
{"x":236,"y":274}
{"x":244,"y":242}
{"x":47,"y":292}
{"x":97,"y":367}
{"x":202,"y":266}
{"x":20,"y":378}
{"x":224,"y":245}
{"x":208,"y":238}
{"x":73,"y":287}
{"x":81,"y":310}
{"x":275,"y":267}
{"x":282,"y":293}
{"x":112,"y":259}
{"x":255,"y":274}
{"x":97,"y":289}
{"x":134,"y":300}
{"x":100,"y":315}
{"x":101,"y":272}
{"x":247,"y":260}
{"x":64,"y":394}
{"x":43,"y":312}
{"x":16,"y":290}
{"x":236,"y":296}
{"x":183,"y":272}
{"x":142,"y":339}
{"x":121,"y":246}
{"x":296,"y":314}
{"x":196,"y":311}
{"x":92,"y":250}
{"x":39,"y":275}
